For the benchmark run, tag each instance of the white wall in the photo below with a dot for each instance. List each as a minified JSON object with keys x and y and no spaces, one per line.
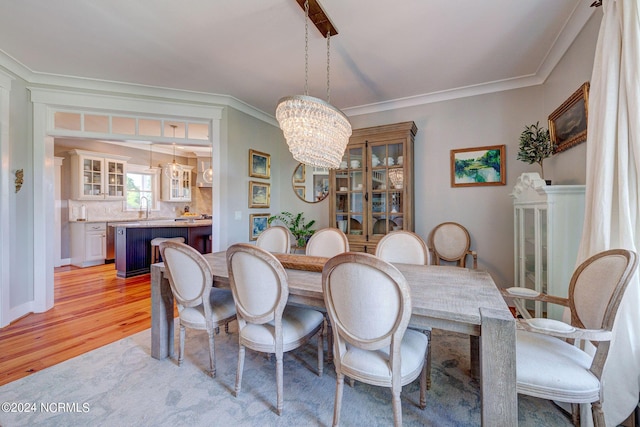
{"x":492,"y":119}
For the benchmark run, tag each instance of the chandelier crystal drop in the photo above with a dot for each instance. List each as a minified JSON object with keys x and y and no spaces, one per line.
{"x":316,"y":132}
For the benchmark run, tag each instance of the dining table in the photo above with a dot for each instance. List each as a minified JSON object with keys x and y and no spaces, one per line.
{"x":443,"y":297}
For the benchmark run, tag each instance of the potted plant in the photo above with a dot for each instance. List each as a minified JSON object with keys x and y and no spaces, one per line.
{"x":300,"y":229}
{"x":535,"y":145}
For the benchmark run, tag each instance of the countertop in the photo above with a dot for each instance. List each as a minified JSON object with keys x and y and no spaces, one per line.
{"x":164,"y":223}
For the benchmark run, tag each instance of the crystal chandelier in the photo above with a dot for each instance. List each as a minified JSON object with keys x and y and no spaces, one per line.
{"x":317,"y":133}
{"x":174,"y":170}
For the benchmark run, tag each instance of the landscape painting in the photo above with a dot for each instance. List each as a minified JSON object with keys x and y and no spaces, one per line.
{"x":478,"y":166}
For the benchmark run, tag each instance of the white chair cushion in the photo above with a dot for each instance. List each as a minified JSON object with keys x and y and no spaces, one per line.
{"x":550,"y":368}
{"x":222,"y":304}
{"x":375,"y":364}
{"x":297,"y":323}
{"x":222,"y":307}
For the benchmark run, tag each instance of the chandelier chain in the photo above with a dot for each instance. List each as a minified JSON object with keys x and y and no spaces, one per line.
{"x":328,"y":61}
{"x":306,"y":47}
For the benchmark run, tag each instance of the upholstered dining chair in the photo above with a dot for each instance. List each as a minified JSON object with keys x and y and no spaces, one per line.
{"x":275,"y":239}
{"x":407,"y":247}
{"x":403,"y":247}
{"x":265,"y":322}
{"x":327,"y":242}
{"x":369,"y":304}
{"x":200,"y":306}
{"x":548,"y":364}
{"x":450,"y":242}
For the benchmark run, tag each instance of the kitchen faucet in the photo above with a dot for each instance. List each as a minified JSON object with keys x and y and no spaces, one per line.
{"x":147,"y":204}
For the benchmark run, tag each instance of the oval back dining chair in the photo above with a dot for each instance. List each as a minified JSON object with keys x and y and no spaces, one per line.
{"x":265,"y":322}
{"x":327,"y":243}
{"x":403,"y":247}
{"x":450,"y":242}
{"x":275,"y":239}
{"x":200,"y":306}
{"x":369,"y":304}
{"x":549,"y":367}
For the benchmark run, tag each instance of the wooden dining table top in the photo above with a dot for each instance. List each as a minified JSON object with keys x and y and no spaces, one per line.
{"x":438,"y":293}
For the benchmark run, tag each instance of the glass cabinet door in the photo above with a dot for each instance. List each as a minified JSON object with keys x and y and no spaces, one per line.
{"x":92,"y":176}
{"x":115,"y":178}
{"x":386,"y":181}
{"x":533,"y":255}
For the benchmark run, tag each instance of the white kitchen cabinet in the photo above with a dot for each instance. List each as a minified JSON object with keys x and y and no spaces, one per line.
{"x":88,"y":243}
{"x":96,"y":176}
{"x":547,"y":228}
{"x":176,"y":188}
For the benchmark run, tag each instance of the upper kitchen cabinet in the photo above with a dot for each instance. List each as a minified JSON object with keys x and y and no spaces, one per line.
{"x":371,"y":193}
{"x":176,"y":185}
{"x":96,"y":176}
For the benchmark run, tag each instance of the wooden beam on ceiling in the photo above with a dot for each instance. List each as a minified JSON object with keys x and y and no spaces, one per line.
{"x":319,"y":18}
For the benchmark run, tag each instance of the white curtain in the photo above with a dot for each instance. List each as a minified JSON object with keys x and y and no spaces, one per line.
{"x":612,"y":205}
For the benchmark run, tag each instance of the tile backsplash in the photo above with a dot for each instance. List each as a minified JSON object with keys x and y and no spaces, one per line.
{"x":114,"y":210}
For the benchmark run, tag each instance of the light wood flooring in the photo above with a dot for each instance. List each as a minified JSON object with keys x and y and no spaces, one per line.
{"x":92,"y":308}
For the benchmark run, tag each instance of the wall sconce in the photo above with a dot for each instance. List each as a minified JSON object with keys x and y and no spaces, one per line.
{"x":19,"y":179}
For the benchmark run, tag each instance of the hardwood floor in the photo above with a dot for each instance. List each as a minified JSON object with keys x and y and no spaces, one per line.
{"x":92,"y":308}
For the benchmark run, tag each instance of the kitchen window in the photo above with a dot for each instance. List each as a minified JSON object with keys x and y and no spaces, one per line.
{"x":142,"y":182}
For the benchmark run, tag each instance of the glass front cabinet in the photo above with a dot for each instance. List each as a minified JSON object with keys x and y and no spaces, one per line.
{"x":372,"y":190}
{"x":547,"y":228}
{"x":97,"y":177}
{"x":176,"y":187}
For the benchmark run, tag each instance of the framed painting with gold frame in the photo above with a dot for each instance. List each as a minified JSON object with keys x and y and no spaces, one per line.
{"x":478,"y":166}
{"x":259,"y":164}
{"x":568,"y":123}
{"x":257,"y":224}
{"x":259,"y":194}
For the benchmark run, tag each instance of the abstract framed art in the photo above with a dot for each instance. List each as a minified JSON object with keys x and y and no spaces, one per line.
{"x":259,"y":164}
{"x":257,"y":224}
{"x":259,"y":194}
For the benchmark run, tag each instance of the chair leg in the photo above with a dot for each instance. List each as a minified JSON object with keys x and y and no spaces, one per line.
{"x":320,"y":350}
{"x":598,"y":414}
{"x":428,"y":361}
{"x":226,"y":328}
{"x":212,"y":358}
{"x":423,"y":385}
{"x":338,"y":402}
{"x":181,"y":351}
{"x":279,"y":382}
{"x":575,"y":414}
{"x":397,"y":408}
{"x":329,"y":334}
{"x":240,"y":368}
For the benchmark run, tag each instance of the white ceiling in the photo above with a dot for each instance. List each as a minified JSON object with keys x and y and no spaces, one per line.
{"x":387,"y":53}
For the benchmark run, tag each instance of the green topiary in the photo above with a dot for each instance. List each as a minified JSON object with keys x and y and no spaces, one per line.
{"x":535,"y":145}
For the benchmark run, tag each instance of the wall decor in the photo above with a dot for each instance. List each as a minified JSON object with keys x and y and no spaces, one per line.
{"x":259,"y":194}
{"x":478,"y":166}
{"x":568,"y":123}
{"x":300,"y":191}
{"x":257,"y":224}
{"x":299,"y":175}
{"x":259,"y":164}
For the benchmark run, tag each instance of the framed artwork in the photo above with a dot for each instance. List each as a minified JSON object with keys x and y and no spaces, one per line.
{"x":300,"y":191}
{"x":299,"y":174}
{"x":257,"y":224}
{"x":568,"y":123}
{"x":259,"y":194}
{"x":259,"y":164}
{"x":478,"y":166}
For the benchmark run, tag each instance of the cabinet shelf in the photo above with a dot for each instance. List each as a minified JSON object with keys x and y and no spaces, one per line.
{"x":96,"y":176}
{"x":376,"y":197}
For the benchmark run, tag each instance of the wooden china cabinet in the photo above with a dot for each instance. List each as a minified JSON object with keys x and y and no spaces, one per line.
{"x":372,"y":191}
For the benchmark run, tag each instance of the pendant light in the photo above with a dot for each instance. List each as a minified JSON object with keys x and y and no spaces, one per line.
{"x":207,"y":175}
{"x":174,"y":170}
{"x":317,"y":132}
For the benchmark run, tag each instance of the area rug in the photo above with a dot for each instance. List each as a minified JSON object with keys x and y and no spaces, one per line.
{"x":122,"y":385}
